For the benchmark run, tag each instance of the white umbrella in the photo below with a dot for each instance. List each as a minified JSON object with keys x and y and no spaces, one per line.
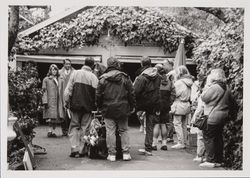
{"x":180,"y":57}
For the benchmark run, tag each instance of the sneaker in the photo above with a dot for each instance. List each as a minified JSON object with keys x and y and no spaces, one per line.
{"x":197,"y":159}
{"x":207,"y":164}
{"x":49,"y":134}
{"x":170,"y":140}
{"x":204,"y":160}
{"x":164,"y":147}
{"x":126,"y":157}
{"x":54,"y":135}
{"x":111,"y":158}
{"x":178,"y":146}
{"x":144,"y":152}
{"x":65,"y":133}
{"x":74,"y":154}
{"x":217,"y":165}
{"x":154,"y":148}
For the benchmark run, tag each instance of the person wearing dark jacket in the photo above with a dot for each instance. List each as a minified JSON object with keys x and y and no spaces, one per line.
{"x":79,"y":97}
{"x":160,"y":128}
{"x":116,"y":99}
{"x":147,"y":92}
{"x":218,"y":102}
{"x":65,"y":74}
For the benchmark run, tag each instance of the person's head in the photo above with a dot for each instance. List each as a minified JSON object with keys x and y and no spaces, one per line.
{"x":113,"y":62}
{"x":217,"y":75}
{"x":53,"y":71}
{"x":90,"y":62}
{"x":160,"y":69}
{"x":145,"y":61}
{"x":67,"y":64}
{"x":168,"y":64}
{"x":181,"y":71}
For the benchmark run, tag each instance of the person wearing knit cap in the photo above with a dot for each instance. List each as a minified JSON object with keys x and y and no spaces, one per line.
{"x":116,"y":99}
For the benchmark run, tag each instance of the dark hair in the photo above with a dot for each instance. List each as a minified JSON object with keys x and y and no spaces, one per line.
{"x":145,"y":61}
{"x":89,"y":61}
{"x":64,"y":61}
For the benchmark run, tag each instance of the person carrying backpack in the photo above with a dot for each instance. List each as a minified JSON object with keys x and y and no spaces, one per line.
{"x":116,"y":99}
{"x":147,"y":92}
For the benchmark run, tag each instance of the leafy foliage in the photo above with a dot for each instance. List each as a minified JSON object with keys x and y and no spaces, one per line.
{"x":32,"y":16}
{"x":224,"y":49}
{"x":198,"y":21}
{"x":132,"y":25}
{"x":24,"y":96}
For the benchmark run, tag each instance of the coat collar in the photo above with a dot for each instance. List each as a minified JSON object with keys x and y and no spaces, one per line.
{"x":86,"y":68}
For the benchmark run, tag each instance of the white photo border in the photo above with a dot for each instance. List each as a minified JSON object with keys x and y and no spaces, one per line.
{"x":149,"y":173}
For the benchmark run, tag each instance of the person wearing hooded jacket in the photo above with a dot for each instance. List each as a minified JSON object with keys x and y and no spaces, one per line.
{"x":147,"y":92}
{"x":218,"y":103}
{"x":181,"y":106}
{"x":116,"y":99}
{"x":160,"y":128}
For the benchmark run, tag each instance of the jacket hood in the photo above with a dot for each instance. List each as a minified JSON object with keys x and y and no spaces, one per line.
{"x":140,"y":70}
{"x":151,"y":73}
{"x":221,"y":84}
{"x":187,"y":80}
{"x":113,"y":76}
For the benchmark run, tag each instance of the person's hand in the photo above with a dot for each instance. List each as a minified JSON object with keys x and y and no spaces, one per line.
{"x":66,"y":105}
{"x":139,"y":113}
{"x":132,"y":111}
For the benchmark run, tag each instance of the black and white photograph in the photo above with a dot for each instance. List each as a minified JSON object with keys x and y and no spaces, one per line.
{"x":124,"y":87}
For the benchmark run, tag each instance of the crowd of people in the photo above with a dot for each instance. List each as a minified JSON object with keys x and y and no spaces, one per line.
{"x":163,"y":98}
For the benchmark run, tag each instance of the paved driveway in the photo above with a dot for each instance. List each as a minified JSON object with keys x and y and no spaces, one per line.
{"x":58,"y":150}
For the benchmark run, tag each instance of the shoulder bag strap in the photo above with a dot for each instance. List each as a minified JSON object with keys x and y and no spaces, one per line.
{"x":217,"y":102}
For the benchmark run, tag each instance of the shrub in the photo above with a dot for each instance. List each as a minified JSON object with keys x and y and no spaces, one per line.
{"x":224,"y":49}
{"x":24,"y":97}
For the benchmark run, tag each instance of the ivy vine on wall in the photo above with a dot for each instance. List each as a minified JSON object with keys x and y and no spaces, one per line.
{"x":132,"y":25}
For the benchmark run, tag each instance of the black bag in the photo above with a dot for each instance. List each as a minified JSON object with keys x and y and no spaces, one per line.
{"x":201,"y":122}
{"x":100,"y":150}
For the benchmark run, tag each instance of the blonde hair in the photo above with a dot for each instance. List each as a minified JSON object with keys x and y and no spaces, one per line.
{"x":217,"y":75}
{"x":181,"y":71}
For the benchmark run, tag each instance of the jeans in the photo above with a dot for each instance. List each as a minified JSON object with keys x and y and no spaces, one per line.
{"x":78,"y":128}
{"x":200,"y":144}
{"x":170,"y":127}
{"x":111,"y":126}
{"x":214,"y":143}
{"x":65,"y":124}
{"x":150,"y":121}
{"x":180,"y":125}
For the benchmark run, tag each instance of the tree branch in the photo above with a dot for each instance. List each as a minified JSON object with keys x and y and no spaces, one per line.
{"x":217,"y":12}
{"x":13,"y":26}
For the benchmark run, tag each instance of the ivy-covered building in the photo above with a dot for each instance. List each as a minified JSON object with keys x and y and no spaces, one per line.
{"x":127,"y":33}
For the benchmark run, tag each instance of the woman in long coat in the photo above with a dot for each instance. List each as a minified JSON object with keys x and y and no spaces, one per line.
{"x":53,"y":104}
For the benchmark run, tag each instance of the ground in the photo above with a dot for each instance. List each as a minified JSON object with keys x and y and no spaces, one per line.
{"x":58,"y":150}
